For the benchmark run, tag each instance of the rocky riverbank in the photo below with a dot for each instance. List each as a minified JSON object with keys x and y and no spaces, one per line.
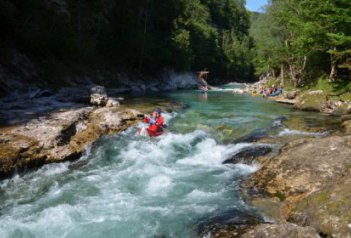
{"x":49,"y":128}
{"x":310,"y":100}
{"x":304,"y":190}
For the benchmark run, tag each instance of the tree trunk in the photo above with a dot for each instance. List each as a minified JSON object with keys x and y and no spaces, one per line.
{"x":333,"y":70}
{"x":293,"y":75}
{"x":302,"y":70}
{"x":282,"y":74}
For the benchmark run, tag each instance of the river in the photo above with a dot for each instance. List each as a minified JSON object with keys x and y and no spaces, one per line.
{"x":131,"y":186}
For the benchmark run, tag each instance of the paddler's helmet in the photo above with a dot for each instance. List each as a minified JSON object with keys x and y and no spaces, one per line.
{"x":158,"y":110}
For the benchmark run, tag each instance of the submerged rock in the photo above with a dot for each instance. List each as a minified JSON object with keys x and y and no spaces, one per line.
{"x":248,"y":155}
{"x":260,"y":133}
{"x":230,"y":223}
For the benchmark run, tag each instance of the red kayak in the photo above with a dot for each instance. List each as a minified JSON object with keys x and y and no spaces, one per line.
{"x":156,"y":127}
{"x":149,"y":133}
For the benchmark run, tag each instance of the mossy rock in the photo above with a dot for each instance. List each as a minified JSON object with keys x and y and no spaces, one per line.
{"x":296,"y":123}
{"x":347,"y":126}
{"x":344,"y":108}
{"x":328,"y":210}
{"x":346,"y":97}
{"x":311,"y":101}
{"x":18,"y":152}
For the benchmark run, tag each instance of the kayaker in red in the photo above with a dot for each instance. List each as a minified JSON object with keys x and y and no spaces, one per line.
{"x":156,"y":123}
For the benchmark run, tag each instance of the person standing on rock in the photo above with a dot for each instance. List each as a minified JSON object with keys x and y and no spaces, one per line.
{"x":202,"y":77}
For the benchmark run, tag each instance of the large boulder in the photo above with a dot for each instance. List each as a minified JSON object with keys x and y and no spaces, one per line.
{"x":322,"y":102}
{"x":311,"y":101}
{"x":328,"y":210}
{"x":98,"y":96}
{"x":291,"y":94}
{"x":59,"y":136}
{"x":249,"y":154}
{"x":312,"y":180}
{"x":305,"y":166}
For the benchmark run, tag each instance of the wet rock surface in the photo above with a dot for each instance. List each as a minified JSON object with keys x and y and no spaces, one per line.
{"x":311,"y":101}
{"x":98,"y":96}
{"x":283,"y":99}
{"x":58,"y":136}
{"x":230,"y":223}
{"x":259,"y":133}
{"x":310,"y":180}
{"x":320,"y":101}
{"x":328,"y":210}
{"x":248,"y":155}
{"x":42,"y":127}
{"x":284,"y":230}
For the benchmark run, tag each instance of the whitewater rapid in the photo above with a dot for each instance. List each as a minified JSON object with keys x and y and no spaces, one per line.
{"x":130,"y":187}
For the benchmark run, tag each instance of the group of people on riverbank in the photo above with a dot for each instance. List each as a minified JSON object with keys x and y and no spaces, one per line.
{"x":271,"y":91}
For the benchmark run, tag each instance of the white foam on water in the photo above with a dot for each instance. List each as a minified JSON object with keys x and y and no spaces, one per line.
{"x":209,"y":153}
{"x":288,"y":132}
{"x":159,"y":185}
{"x":248,"y":169}
{"x":222,"y":90}
{"x":145,"y":185}
{"x":202,"y":195}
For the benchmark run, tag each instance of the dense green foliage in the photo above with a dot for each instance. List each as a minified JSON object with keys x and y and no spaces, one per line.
{"x":304,"y":40}
{"x":144,"y":36}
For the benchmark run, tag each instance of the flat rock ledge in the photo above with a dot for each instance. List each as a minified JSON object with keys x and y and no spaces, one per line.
{"x":305,"y":191}
{"x":59,"y":136}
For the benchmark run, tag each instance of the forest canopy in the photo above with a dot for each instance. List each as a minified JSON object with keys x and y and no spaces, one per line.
{"x":303,"y":40}
{"x":142,"y":36}
{"x":298,"y":40}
